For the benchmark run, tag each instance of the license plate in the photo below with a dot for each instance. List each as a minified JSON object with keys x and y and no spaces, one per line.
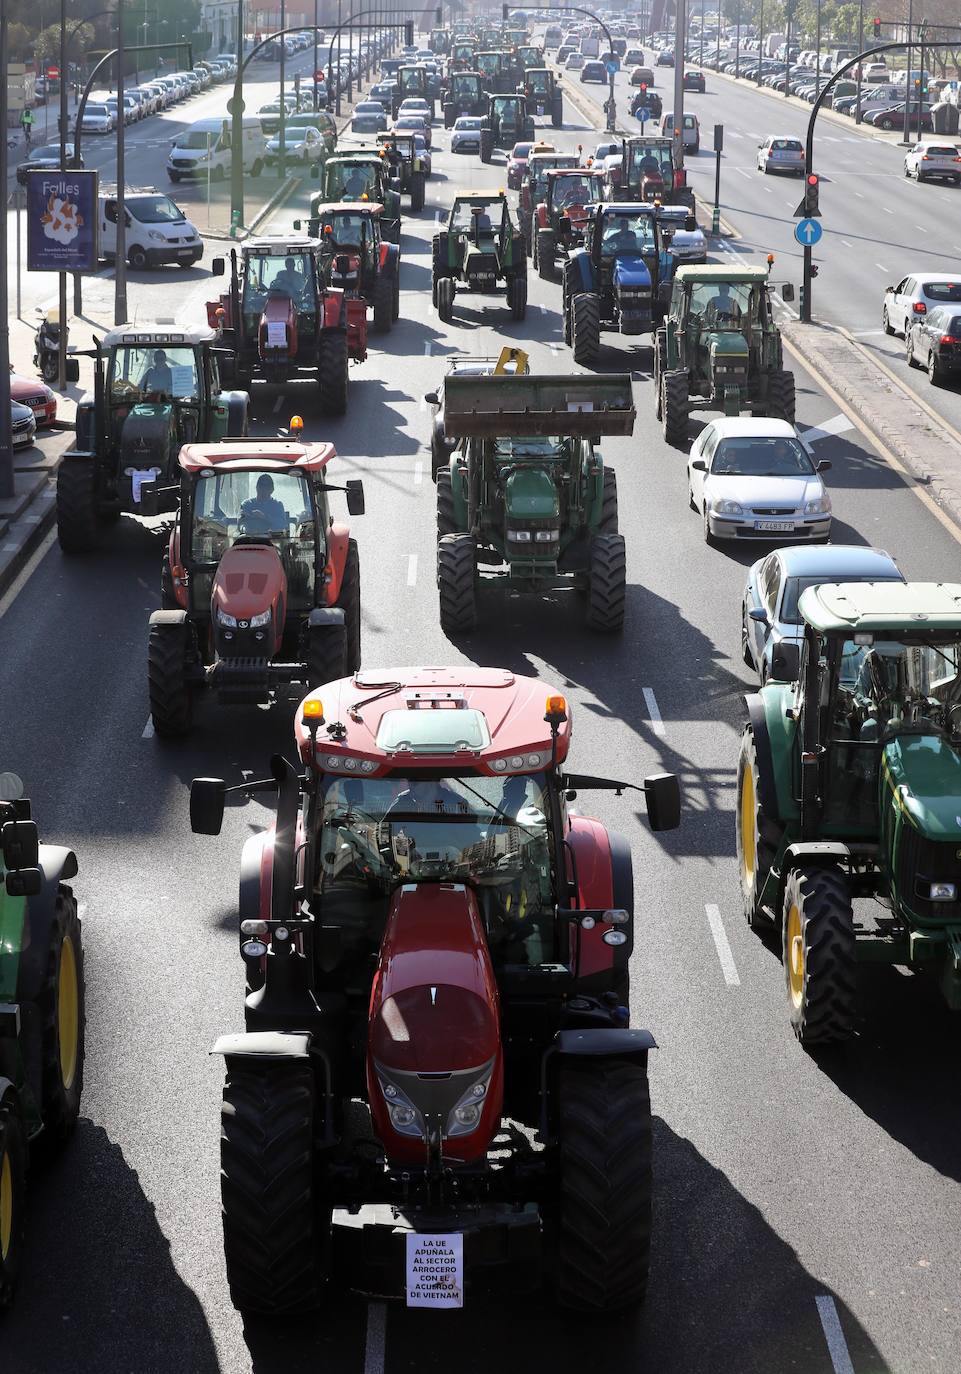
{"x":435,"y":1270}
{"x":779,"y":525}
{"x":185,"y":252}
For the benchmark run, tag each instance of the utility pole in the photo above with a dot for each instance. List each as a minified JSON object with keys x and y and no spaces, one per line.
{"x":120,"y":312}
{"x":680,"y":11}
{"x":907,"y":84}
{"x":282,"y":159}
{"x":6,"y":437}
{"x":62,"y":276}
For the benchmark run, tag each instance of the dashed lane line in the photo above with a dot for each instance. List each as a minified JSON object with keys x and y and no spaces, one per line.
{"x":920,"y":228}
{"x":147,"y":732}
{"x":880,"y":266}
{"x":412,"y":570}
{"x":418,"y":473}
{"x":650,"y":701}
{"x":278,"y":404}
{"x":375,"y":1348}
{"x":721,"y":944}
{"x":427,"y":348}
{"x":831,"y":1325}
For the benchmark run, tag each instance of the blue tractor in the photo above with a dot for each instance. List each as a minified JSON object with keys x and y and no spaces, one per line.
{"x":615,"y":281}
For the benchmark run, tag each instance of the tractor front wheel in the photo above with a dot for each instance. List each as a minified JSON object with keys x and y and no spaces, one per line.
{"x":603,"y":1239}
{"x":780,"y":395}
{"x":545,"y":254}
{"x":446,"y":520}
{"x":607,"y":590}
{"x":818,"y":953}
{"x":383,"y":304}
{"x":450,"y":114}
{"x":438,"y":267}
{"x":586,"y":328}
{"x":13,"y":1195}
{"x":486,"y":145}
{"x":457,"y":584}
{"x":445,"y":299}
{"x":557,"y":114}
{"x":756,"y":834}
{"x":326,"y":654}
{"x":395,"y":296}
{"x":62,"y":1008}
{"x":418,"y":191}
{"x":349,"y":602}
{"x":171,"y":700}
{"x":78,"y":521}
{"x":268,"y":1184}
{"x":332,"y":371}
{"x":675,"y":407}
{"x":517,"y":296}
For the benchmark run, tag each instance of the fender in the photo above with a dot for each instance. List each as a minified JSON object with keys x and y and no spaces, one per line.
{"x":582,"y":271}
{"x":824,"y":853}
{"x":605,"y":879}
{"x":542,"y":221}
{"x":333,"y":307}
{"x":237,"y":403}
{"x":597,"y":1042}
{"x":168,"y":618}
{"x":338,"y":536}
{"x":390,"y":259}
{"x":256,"y":861}
{"x":767,"y":787}
{"x":262,"y":1045}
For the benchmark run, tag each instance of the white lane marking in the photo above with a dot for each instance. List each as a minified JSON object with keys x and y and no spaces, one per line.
{"x":375,"y":1349}
{"x":418,"y":473}
{"x":728,"y":966}
{"x":887,"y":210}
{"x":768,"y":190}
{"x":544,"y":309}
{"x":831,"y":1325}
{"x":859,"y":195}
{"x":838,"y":424}
{"x":846,"y":244}
{"x":920,"y":228}
{"x":147,"y":732}
{"x":278,"y":405}
{"x":427,"y":347}
{"x":746,"y":175}
{"x":881,"y":267}
{"x":412,"y":570}
{"x":866,"y":333}
{"x":650,"y":701}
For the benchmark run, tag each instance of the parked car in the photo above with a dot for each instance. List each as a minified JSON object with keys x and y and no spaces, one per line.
{"x":36,"y":396}
{"x":23,"y":426}
{"x":915,"y":295}
{"x":771,"y":628}
{"x":933,"y":341}
{"x":930,"y":161}
{"x":780,"y":154}
{"x":893,"y":117}
{"x":97,"y":119}
{"x":756,"y":479}
{"x":43,"y":159}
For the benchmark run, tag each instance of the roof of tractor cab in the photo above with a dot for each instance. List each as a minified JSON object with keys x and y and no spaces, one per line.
{"x":720,"y":271}
{"x":480,"y":197}
{"x":144,"y":335}
{"x":476,"y":716}
{"x":349,"y":207}
{"x":555,"y":173}
{"x":269,"y":455}
{"x":905,"y":608}
{"x":269,"y":245}
{"x":626,"y":207}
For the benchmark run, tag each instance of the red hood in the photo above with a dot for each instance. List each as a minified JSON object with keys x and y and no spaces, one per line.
{"x":278,"y":315}
{"x":249,"y":580}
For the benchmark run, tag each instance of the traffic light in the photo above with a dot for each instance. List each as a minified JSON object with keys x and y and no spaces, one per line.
{"x":877,"y":28}
{"x":439,"y":15}
{"x":504,"y":9}
{"x":811,"y":185}
{"x":409,"y":33}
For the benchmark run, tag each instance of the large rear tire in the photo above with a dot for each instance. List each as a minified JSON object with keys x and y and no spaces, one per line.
{"x":517,"y":297}
{"x":756,"y":835}
{"x":270,"y":1207}
{"x":675,"y":407}
{"x":62,"y":1008}
{"x":546,"y":247}
{"x":818,"y":953}
{"x":486,"y":145}
{"x":349,"y":602}
{"x":445,"y":299}
{"x":383,"y":304}
{"x":171,"y":700}
{"x":446,"y":521}
{"x":418,"y":191}
{"x":78,"y":521}
{"x":586,"y":328}
{"x":326,"y":654}
{"x":604,"y":1221}
{"x":457,"y":584}
{"x":780,"y":396}
{"x":607,"y":589}
{"x":333,"y":373}
{"x":608,"y":520}
{"x":13,"y":1195}
{"x":438,"y":267}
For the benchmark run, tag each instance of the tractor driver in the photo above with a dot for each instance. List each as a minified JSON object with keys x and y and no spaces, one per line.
{"x":288,"y":279}
{"x":722,"y":308}
{"x":355,"y":183}
{"x":158,"y":376}
{"x":263,"y":513}
{"x":619,"y":236}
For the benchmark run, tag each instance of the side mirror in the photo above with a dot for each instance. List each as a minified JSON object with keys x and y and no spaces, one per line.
{"x":824,"y":465}
{"x":355,"y":497}
{"x":24,"y":882}
{"x":432,"y":398}
{"x":662,"y":794}
{"x":760,"y":615}
{"x":207,"y":797}
{"x":72,"y":369}
{"x":218,"y":267}
{"x":315,"y":172}
{"x":20,"y":842}
{"x":298,"y":223}
{"x":787,"y":291}
{"x":699,"y":465}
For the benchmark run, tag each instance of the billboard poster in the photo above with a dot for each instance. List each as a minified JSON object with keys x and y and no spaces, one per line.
{"x":62,"y":221}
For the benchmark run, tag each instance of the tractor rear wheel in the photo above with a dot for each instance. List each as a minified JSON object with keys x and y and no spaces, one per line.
{"x":168,"y":599}
{"x":438,"y":266}
{"x":349,"y":602}
{"x":780,"y":395}
{"x":756,"y":836}
{"x":332,"y":371}
{"x":603,"y":1238}
{"x":818,"y":952}
{"x":557,"y":113}
{"x":446,"y":521}
{"x":527,"y":229}
{"x":608,"y":520}
{"x":78,"y":520}
{"x":546,"y":245}
{"x":517,"y":297}
{"x":395,"y":296}
{"x":171,"y":700}
{"x":418,"y":191}
{"x":486,"y":145}
{"x":62,"y":1008}
{"x":13,"y":1195}
{"x":383,"y":304}
{"x":607,"y":589}
{"x":450,"y":114}
{"x":272,"y":1213}
{"x":675,"y":407}
{"x":457,"y":584}
{"x":586,"y":328}
{"x":445,"y":299}
{"x":326,"y":654}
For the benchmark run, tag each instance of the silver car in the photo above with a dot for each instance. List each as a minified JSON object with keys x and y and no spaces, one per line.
{"x":781,"y":154}
{"x":771,"y":628}
{"x":465,"y":135}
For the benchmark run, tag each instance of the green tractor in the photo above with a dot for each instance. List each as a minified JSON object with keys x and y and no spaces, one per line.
{"x":542,"y":91}
{"x":526,"y":493}
{"x":361,"y":174}
{"x":154,"y":390}
{"x":464,"y":95}
{"x":408,"y":169}
{"x":496,"y":69}
{"x":507,"y":123}
{"x":41,"y":1012}
{"x":849,"y":785}
{"x":719,"y":343}
{"x":481,"y":249}
{"x":411,"y":83}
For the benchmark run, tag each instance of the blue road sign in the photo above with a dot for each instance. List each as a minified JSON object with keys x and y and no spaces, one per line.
{"x":808,"y":232}
{"x":612,"y":68}
{"x":643,"y":114}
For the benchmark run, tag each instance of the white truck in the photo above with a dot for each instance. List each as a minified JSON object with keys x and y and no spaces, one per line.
{"x":157,"y":231}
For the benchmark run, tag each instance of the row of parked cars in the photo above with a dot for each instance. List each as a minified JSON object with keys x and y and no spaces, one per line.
{"x":102,"y":112}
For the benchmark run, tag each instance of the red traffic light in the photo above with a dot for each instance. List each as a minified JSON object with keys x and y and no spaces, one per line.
{"x":813,"y":179}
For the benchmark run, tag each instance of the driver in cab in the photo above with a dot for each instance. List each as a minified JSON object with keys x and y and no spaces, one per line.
{"x":355,"y":183}
{"x":288,"y":279}
{"x":619,"y":237}
{"x":722,"y":308}
{"x":263,"y":513}
{"x":158,"y":376}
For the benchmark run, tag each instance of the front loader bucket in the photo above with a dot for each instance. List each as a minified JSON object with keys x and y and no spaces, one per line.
{"x":575,"y":407}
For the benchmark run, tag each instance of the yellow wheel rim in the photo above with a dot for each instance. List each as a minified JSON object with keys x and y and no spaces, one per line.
{"x":748,"y":849}
{"x":6,"y":1206}
{"x":794,"y":954}
{"x":68,"y":1013}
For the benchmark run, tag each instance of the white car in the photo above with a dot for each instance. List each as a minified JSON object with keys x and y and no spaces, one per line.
{"x":97,"y":119}
{"x":415,"y":105}
{"x":930,"y":160}
{"x":781,"y":154}
{"x":916,"y":295}
{"x":755,"y":479}
{"x":305,"y":146}
{"x":465,"y":135}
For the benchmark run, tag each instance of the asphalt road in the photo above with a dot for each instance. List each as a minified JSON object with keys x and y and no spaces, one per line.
{"x":807,"y":1209}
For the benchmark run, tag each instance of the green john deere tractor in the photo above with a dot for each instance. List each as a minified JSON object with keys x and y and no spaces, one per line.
{"x":542,"y":90}
{"x":411,"y":83}
{"x":41,"y":1012}
{"x":719,"y":343}
{"x":526,"y":494}
{"x":507,"y":123}
{"x":362,"y":174}
{"x":408,"y":168}
{"x":481,"y":250}
{"x":849,"y":786}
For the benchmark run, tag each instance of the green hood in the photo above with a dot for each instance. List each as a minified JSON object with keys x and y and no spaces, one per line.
{"x":531,"y":495}
{"x":727,"y":345}
{"x":924,"y":774}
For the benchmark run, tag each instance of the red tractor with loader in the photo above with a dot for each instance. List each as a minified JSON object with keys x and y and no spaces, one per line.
{"x":437,"y":1057}
{"x":260,"y":586}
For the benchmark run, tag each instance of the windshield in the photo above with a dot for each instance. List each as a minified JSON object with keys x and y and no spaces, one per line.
{"x":351,"y":181}
{"x":576,"y":191}
{"x":627,"y":234}
{"x":467,"y":122}
{"x":197,"y":138}
{"x":539,"y":82}
{"x":720,"y":305}
{"x":291,"y":275}
{"x":345,"y":228}
{"x":98,"y":111}
{"x":487,"y":217}
{"x":155,"y":210}
{"x":491,"y":832}
{"x":889,"y":686}
{"x":755,"y":456}
{"x":137,"y":373}
{"x":645,"y":161}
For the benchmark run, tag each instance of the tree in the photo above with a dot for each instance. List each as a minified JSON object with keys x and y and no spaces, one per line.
{"x":46,"y":45}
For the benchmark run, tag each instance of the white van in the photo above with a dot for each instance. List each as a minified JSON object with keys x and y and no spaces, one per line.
{"x":692,"y":131}
{"x":205,"y":149}
{"x":157,"y":231}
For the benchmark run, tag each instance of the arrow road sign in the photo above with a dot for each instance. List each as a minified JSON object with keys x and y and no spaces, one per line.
{"x":612,"y":68}
{"x":643,"y":114}
{"x":807,"y":232}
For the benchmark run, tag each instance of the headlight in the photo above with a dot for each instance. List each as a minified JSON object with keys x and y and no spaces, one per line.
{"x":404,"y":1116}
{"x":726,"y":508}
{"x":465,"y":1116}
{"x":822,"y":506}
{"x":225,"y":619}
{"x":258,"y":620}
{"x":155,"y":235}
{"x":519,"y":536}
{"x":943,"y":892}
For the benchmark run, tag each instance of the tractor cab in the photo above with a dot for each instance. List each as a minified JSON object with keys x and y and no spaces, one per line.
{"x":407,"y":168}
{"x":507,"y":123}
{"x":465,"y":95}
{"x":527,"y":57}
{"x":439,"y":41}
{"x":362,"y":176}
{"x":481,"y":249}
{"x":562,"y":216}
{"x":495,"y":70}
{"x":463,"y":57}
{"x":534,"y":184}
{"x":647,"y":172}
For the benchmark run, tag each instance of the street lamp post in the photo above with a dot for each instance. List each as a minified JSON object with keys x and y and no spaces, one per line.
{"x":316,"y":22}
{"x":907,"y":84}
{"x":760,"y":42}
{"x":857,"y":93}
{"x":120,"y":268}
{"x":6,"y":438}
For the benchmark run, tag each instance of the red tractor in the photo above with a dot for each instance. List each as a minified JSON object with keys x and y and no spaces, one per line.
{"x":358,"y":261}
{"x":260,"y":585}
{"x":429,"y":928}
{"x":283,"y":322}
{"x":534,"y":187}
{"x":561,"y":217}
